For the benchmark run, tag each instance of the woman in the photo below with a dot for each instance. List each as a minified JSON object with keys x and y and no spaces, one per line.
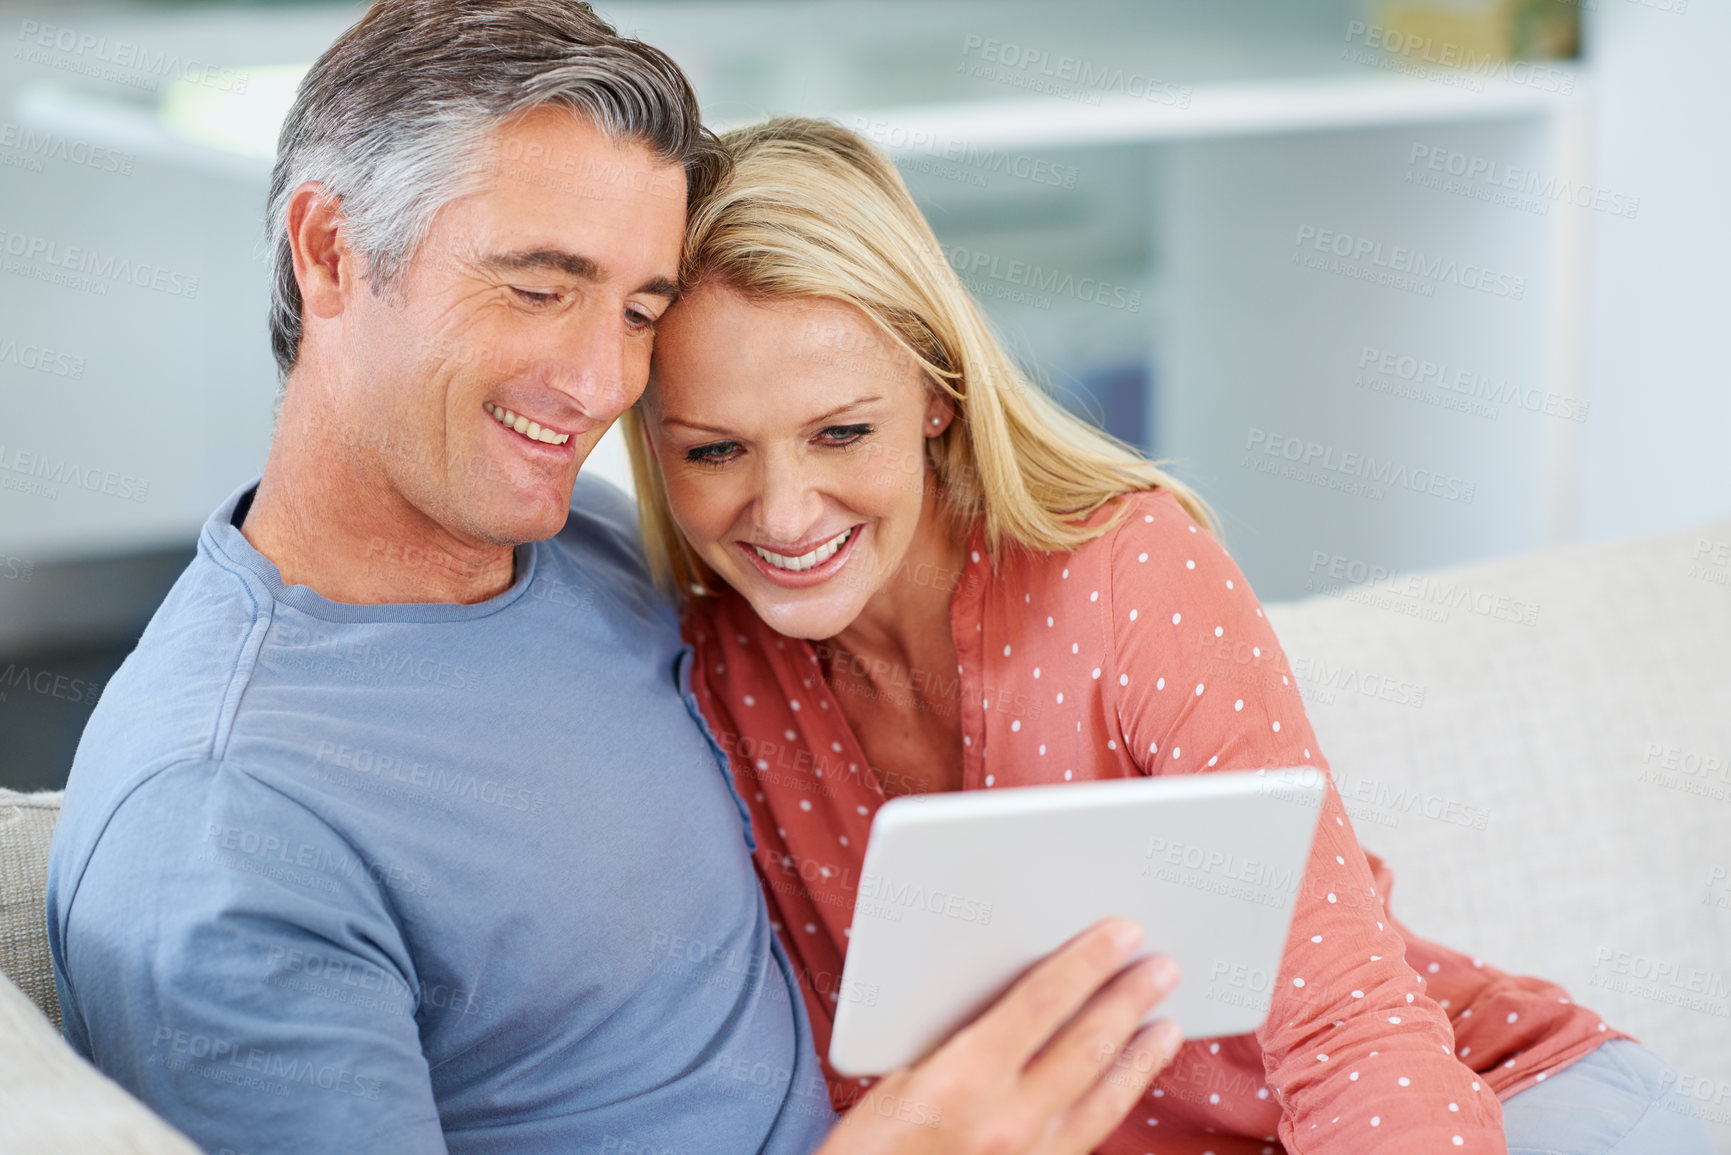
{"x":907,"y":570}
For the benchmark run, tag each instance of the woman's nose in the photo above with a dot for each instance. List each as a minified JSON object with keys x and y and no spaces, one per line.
{"x":788,"y":504}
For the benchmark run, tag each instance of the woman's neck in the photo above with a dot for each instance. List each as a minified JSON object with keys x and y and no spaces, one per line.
{"x":907,"y":622}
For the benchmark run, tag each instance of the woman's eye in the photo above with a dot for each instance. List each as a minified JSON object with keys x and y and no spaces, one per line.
{"x":715,"y":453}
{"x":841,"y":435}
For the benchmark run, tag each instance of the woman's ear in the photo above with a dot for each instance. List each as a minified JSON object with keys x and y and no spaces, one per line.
{"x":940,"y":411}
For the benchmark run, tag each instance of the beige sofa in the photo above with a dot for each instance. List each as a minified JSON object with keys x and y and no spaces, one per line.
{"x":1541,"y":748}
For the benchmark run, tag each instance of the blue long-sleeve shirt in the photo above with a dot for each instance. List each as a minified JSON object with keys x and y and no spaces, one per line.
{"x":410,"y":878}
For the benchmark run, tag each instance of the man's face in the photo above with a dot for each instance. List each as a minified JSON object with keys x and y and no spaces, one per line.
{"x":520,"y":332}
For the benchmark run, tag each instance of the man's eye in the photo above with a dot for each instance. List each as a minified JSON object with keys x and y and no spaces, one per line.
{"x":842,"y":435}
{"x":535,"y":296}
{"x":639,"y":320}
{"x":715,"y":453}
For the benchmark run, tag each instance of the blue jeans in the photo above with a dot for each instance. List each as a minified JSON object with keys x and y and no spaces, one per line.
{"x":1620,"y":1099}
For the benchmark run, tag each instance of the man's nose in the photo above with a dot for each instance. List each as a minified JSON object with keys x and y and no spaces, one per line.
{"x":594,"y":373}
{"x":788,"y":504}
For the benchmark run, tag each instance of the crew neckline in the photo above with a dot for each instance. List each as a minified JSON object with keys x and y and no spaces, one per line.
{"x":223,"y":538}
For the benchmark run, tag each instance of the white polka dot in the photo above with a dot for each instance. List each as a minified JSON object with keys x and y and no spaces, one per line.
{"x":976,"y":556}
{"x":1036,"y":671}
{"x":1358,"y":994}
{"x":1228,"y":583}
{"x":1111,"y":743}
{"x":1075,"y":648}
{"x":794,"y":702}
{"x":811,"y":928}
{"x":1256,"y":651}
{"x":1331,"y":897}
{"x":805,"y":804}
{"x":1060,"y":697}
{"x":1016,"y":725}
{"x":1176,"y":618}
{"x":1404,"y":1081}
{"x":1277,"y":727}
{"x":1213,"y":1048}
{"x":1006,"y":651}
{"x":1376,"y":1120}
{"x":1066,"y":573}
{"x":1433,"y":968}
{"x":1218,"y":631}
{"x":1147,"y":517}
{"x":1153,"y":748}
{"x":1353,"y":1076}
{"x":762,"y":764}
{"x":1321,"y":1058}
{"x":967,"y":740}
{"x":1513,"y":1016}
{"x":1133,"y":615}
{"x":1315,"y":938}
{"x":1212,"y":760}
{"x":990,"y":778}
{"x":1457,"y":1141}
{"x":1160,"y":684}
{"x":1189,"y":565}
{"x":1176,"y":752}
{"x":1199,"y":689}
{"x":750,"y":701}
{"x":1095,"y":596}
{"x":861,"y":809}
{"x":1454,"y":1106}
{"x":1123,"y":679}
{"x":1539,"y":1078}
{"x":1213,"y":1097}
{"x":1238,"y":705}
{"x":1048,"y":621}
{"x":1096,"y":673}
{"x":1395,"y":1019}
{"x":1475,"y":1084}
{"x":1297,"y":982}
{"x":1141,"y":557}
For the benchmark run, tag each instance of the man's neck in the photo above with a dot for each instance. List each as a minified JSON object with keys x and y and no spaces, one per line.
{"x":332,"y":525}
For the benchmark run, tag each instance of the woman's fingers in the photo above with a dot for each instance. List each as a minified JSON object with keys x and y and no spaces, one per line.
{"x":1021,"y":1023}
{"x":1095,"y":1039}
{"x":1099,"y":1112}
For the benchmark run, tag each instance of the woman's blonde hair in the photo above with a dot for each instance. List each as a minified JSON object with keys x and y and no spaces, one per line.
{"x":811,"y":210}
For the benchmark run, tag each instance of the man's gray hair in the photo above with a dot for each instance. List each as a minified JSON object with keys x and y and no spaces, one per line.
{"x":391,"y":119}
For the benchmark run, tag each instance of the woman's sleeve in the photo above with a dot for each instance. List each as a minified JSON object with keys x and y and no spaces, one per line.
{"x":1356,"y":1054}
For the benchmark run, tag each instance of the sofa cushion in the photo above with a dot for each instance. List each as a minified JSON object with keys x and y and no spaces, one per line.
{"x":1540,"y":747}
{"x":26,"y":826}
{"x":52,"y":1101}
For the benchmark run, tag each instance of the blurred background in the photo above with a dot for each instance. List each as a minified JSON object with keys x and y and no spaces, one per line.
{"x":1397,"y":285}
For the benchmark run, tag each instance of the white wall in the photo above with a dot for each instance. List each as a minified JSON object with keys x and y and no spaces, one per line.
{"x":1658,"y":451}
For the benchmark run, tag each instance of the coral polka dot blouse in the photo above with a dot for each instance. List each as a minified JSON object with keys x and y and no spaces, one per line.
{"x":1145,"y":652}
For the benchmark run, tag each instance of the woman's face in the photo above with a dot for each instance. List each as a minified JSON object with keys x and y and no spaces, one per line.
{"x":791,"y":435}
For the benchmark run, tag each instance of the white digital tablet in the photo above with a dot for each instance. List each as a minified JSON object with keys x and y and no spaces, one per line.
{"x":960,"y":893}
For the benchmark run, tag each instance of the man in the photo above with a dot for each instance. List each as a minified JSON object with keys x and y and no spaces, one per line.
{"x":399,"y":831}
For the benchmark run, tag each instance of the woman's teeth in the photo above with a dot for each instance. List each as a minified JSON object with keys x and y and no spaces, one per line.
{"x":525,"y":426}
{"x":806,"y":560}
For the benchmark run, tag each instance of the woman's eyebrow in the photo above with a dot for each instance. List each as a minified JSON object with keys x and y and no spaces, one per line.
{"x":819,"y":419}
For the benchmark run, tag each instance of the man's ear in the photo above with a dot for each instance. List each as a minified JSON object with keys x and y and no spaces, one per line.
{"x":940,"y":411}
{"x":323,"y":260}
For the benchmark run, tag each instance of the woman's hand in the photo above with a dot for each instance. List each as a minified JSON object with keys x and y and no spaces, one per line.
{"x":1025,"y":1078}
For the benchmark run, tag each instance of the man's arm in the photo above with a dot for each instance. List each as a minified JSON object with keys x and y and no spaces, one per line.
{"x":228,"y":959}
{"x":1050,"y":1069}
